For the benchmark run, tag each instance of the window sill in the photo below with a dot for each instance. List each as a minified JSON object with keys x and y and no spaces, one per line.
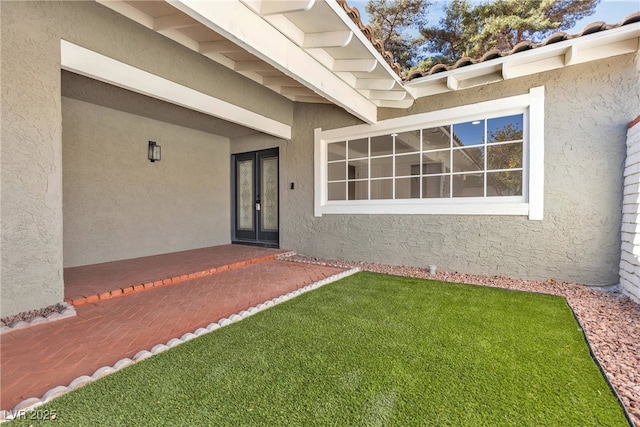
{"x":502,"y":206}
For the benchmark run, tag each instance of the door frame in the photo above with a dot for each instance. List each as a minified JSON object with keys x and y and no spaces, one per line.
{"x":256,"y":241}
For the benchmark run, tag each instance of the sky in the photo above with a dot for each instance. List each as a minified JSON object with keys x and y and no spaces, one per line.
{"x":609,"y":11}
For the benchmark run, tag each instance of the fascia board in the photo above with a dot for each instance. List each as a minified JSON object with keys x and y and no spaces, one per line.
{"x":361,"y":37}
{"x":572,"y":47}
{"x":240,"y":24}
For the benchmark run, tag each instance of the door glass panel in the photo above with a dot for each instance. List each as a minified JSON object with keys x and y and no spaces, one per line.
{"x":245,"y":197}
{"x":269,"y":208}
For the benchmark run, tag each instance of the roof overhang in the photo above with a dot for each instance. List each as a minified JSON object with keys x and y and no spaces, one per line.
{"x":312,"y":51}
{"x":91,"y":64}
{"x":306,"y":50}
{"x":601,"y":45}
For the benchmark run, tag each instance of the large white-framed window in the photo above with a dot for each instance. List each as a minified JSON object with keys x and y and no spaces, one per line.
{"x":479,"y":159}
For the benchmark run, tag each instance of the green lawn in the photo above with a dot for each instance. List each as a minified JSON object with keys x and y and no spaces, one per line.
{"x":368,"y":350}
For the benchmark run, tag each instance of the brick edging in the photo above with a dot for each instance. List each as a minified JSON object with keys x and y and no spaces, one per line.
{"x":33,"y":402}
{"x":139,"y":287}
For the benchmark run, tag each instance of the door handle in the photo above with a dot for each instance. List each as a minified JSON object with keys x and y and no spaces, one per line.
{"x":258,"y":204}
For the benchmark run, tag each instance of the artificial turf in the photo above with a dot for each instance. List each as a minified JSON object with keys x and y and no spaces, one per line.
{"x":370,"y":349}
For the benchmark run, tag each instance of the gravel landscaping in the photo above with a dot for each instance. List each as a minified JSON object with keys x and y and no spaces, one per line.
{"x":610,"y":320}
{"x":26,"y":316}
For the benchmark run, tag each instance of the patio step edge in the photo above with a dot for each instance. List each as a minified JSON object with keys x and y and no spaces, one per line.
{"x":140,"y":287}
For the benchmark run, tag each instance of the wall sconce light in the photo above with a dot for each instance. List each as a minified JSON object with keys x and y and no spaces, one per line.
{"x":154,"y":152}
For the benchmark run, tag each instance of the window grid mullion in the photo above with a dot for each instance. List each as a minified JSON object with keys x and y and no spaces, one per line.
{"x":393,"y":166}
{"x":451,"y":161}
{"x":420,"y":163}
{"x":368,"y":168}
{"x":346,"y":171}
{"x":486,"y":153}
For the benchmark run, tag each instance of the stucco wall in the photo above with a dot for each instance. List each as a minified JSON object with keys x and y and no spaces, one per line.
{"x":630,"y":257}
{"x":31,"y":177}
{"x":255,"y":142}
{"x":587,"y":108}
{"x":118,"y":205}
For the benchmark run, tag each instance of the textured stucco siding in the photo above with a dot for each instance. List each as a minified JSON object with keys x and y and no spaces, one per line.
{"x":630,"y":248}
{"x":118,"y":204}
{"x":587,"y":108}
{"x":31,"y":177}
{"x":256,"y":142}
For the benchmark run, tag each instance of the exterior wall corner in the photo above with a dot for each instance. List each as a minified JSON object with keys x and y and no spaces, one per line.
{"x":630,"y":229}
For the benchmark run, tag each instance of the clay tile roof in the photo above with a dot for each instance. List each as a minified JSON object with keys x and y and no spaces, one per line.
{"x":463,"y":62}
{"x":556,"y":37}
{"x":594,"y":27}
{"x":524,"y":46}
{"x":492,"y":54}
{"x":634,"y":17}
{"x":438,"y":68}
{"x":354,"y":14}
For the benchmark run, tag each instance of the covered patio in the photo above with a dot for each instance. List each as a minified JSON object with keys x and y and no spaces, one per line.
{"x":119,"y":316}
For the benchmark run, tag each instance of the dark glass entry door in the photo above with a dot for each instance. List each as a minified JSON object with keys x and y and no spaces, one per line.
{"x":256,"y":211}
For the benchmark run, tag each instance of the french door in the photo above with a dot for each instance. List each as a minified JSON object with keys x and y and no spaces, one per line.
{"x":256,"y":210}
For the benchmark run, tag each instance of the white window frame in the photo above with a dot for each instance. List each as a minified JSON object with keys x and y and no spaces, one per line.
{"x":530,"y":204}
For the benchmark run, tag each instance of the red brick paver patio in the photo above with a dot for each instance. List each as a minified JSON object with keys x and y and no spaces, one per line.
{"x":109,"y":279}
{"x":41,"y":357}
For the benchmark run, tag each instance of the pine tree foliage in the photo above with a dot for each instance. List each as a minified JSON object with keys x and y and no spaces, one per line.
{"x":472,"y":29}
{"x":468,"y":28}
{"x":391,"y":21}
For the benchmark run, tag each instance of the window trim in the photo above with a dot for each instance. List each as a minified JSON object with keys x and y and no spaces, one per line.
{"x":531,"y":203}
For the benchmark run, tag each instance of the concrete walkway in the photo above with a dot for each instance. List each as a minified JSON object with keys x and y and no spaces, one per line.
{"x":38,"y":358}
